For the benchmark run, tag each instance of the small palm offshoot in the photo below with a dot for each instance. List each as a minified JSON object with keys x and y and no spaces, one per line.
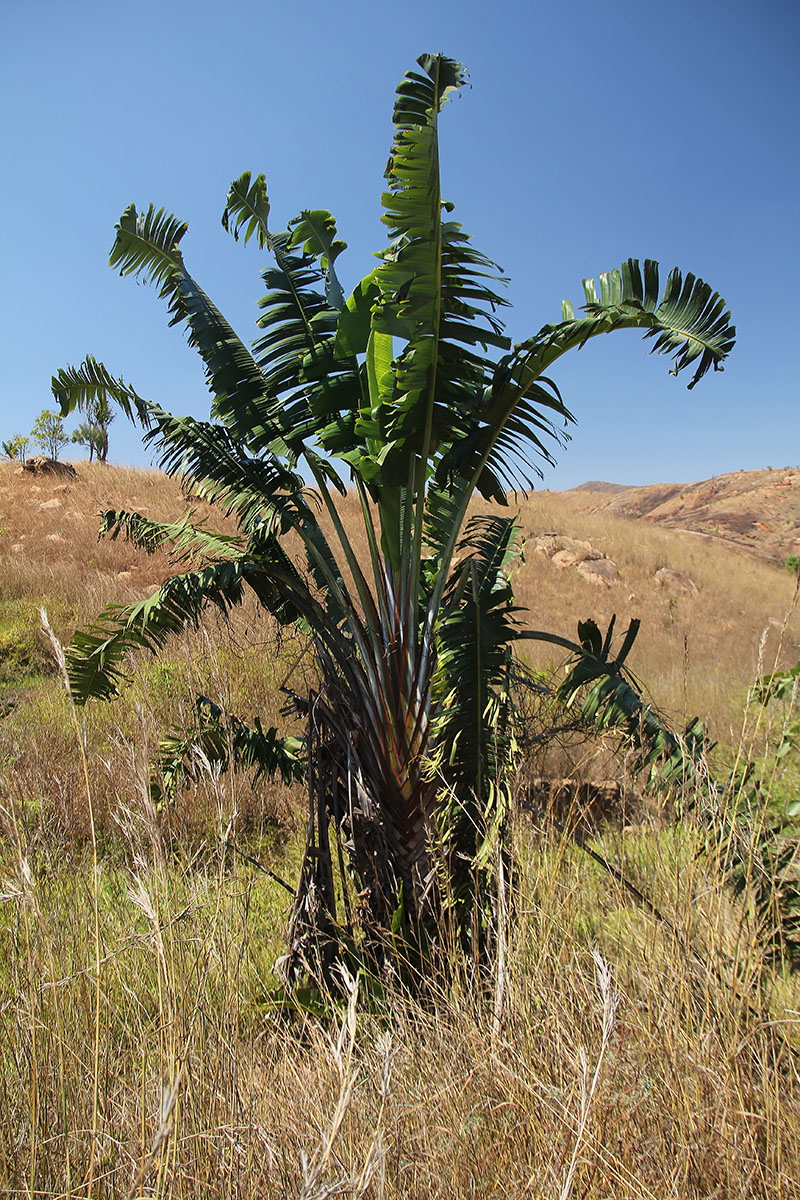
{"x":409,"y":392}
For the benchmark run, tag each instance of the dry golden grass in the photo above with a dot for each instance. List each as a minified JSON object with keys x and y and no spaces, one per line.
{"x":140,"y":1054}
{"x":698,"y":654}
{"x":49,"y":538}
{"x":51,"y":556}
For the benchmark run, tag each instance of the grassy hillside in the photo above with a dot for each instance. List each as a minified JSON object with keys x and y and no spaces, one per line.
{"x":615,"y":1053}
{"x":758,"y":511}
{"x":699,"y":649}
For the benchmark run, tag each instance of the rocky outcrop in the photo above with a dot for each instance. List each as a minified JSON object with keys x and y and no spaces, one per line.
{"x":41,"y":465}
{"x":572,"y":553}
{"x":566,"y":548}
{"x":601,"y":571}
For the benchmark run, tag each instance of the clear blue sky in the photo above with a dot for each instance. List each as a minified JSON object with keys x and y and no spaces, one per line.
{"x":592,"y":132}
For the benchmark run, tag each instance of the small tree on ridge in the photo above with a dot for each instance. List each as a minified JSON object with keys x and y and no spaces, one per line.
{"x":16,"y":447}
{"x":93,"y":432}
{"x":49,"y":433}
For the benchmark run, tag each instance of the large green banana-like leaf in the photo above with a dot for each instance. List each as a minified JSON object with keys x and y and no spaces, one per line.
{"x":267,"y":498}
{"x":264,"y":495}
{"x":475,"y":631}
{"x":441,"y":376}
{"x":409,"y":275}
{"x":95,"y":658}
{"x":77,"y":387}
{"x":315,"y":231}
{"x":184,"y":540}
{"x":317,"y":393}
{"x":248,"y":207}
{"x":509,"y":464}
{"x":262,"y":492}
{"x":248,"y":401}
{"x":295,"y":317}
{"x":312,"y":388}
{"x":471,"y":735}
{"x":689,"y":321}
{"x":409,"y":304}
{"x":429,"y":296}
{"x":215,"y":467}
{"x":219,"y":740}
{"x":147,"y":247}
{"x":605,"y":693}
{"x":430,"y":289}
{"x":442,"y":516}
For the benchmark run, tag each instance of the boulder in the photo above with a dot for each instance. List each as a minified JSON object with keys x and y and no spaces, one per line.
{"x":554,"y":543}
{"x":676,"y":582}
{"x":40,"y":464}
{"x":566,"y":558}
{"x":584,"y":805}
{"x":47,"y":504}
{"x":599,"y":571}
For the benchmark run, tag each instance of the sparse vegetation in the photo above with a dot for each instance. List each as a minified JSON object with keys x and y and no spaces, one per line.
{"x":93,"y":432}
{"x":23,"y":653}
{"x":16,"y":447}
{"x":49,"y":433}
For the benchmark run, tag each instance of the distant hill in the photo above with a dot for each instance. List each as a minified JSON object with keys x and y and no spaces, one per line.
{"x":758,"y":511}
{"x":601,"y":486}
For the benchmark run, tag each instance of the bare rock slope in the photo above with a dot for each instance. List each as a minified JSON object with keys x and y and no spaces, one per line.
{"x":758,"y":511}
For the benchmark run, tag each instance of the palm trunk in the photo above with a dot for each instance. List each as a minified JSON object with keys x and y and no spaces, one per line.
{"x":367,"y":894}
